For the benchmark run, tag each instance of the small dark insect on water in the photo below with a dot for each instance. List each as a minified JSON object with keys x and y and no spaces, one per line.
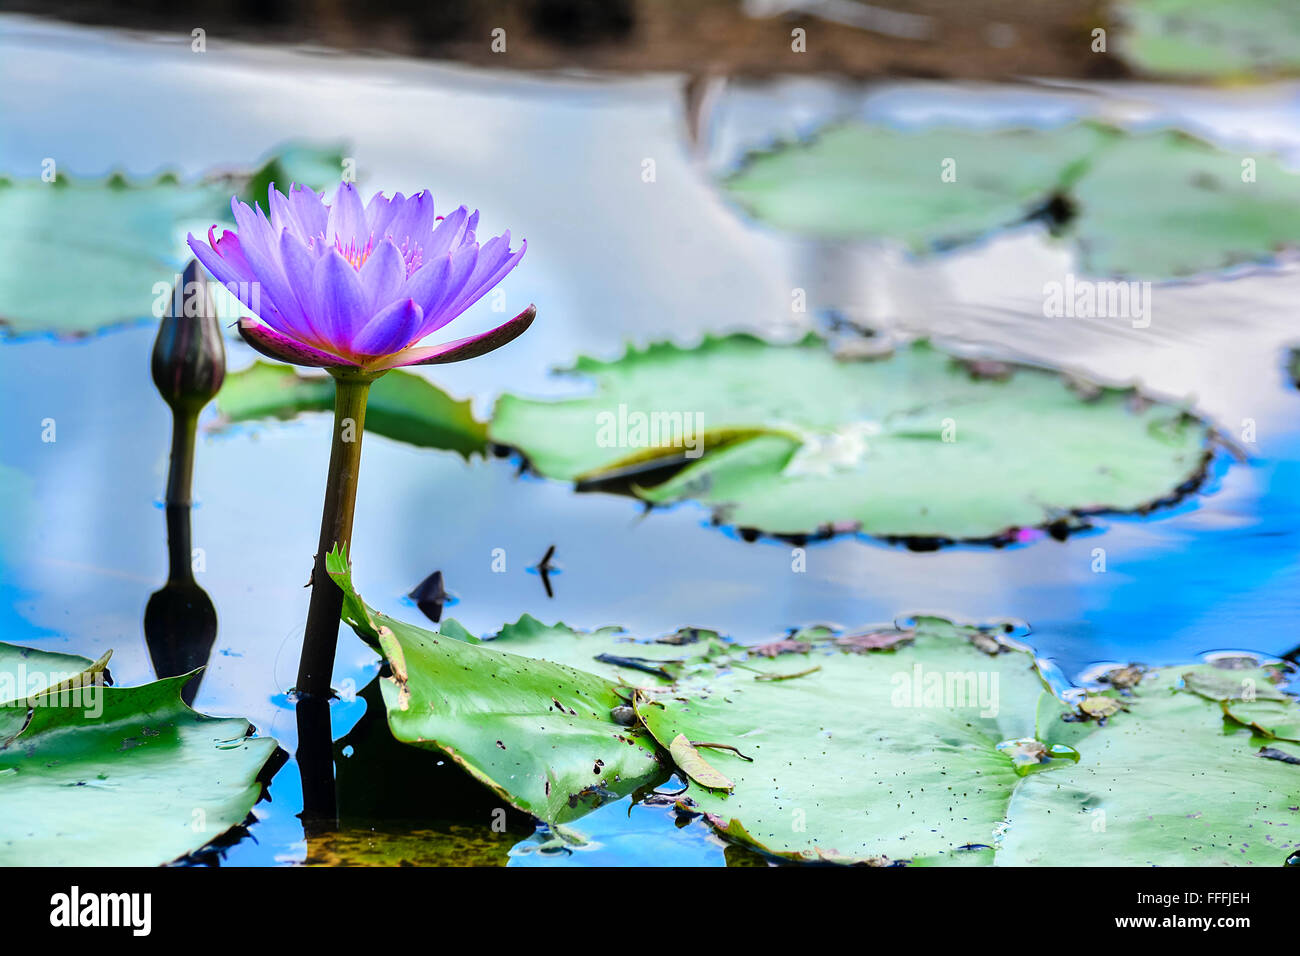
{"x":430,"y":595}
{"x":544,"y":568}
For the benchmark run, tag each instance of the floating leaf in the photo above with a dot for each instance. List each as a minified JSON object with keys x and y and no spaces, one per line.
{"x":1165,"y":204}
{"x":79,"y":255}
{"x":854,"y":181}
{"x":28,"y":672}
{"x":688,"y":758}
{"x":1223,"y":684}
{"x":319,"y":167}
{"x":1210,"y":38}
{"x":539,"y":734}
{"x":1142,"y":205}
{"x":879,"y":754}
{"x":1166,"y":782}
{"x":1099,"y":706}
{"x":117,"y":776}
{"x":402,"y":405}
{"x":950,"y":456}
{"x":1269,"y":718}
{"x":935,"y":748}
{"x":948,"y":748}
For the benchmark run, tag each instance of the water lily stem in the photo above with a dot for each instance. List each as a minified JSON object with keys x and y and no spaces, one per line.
{"x":317,"y":663}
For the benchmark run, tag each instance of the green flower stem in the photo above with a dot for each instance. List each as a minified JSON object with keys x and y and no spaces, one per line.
{"x":317,"y":662}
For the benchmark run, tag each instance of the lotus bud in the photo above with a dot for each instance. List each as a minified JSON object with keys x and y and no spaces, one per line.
{"x":189,"y":354}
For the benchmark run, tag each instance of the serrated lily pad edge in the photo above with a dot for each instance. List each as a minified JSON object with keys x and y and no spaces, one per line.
{"x":93,"y":671}
{"x":733,"y":829}
{"x":1071,"y":521}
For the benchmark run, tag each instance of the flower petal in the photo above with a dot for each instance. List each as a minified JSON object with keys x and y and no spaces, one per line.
{"x":414,"y":220}
{"x":309,"y":206}
{"x":226,"y":271}
{"x":494,"y":263}
{"x":380,"y":212}
{"x":299,"y":268}
{"x":447,"y":237}
{"x":466,"y":348}
{"x":436,"y":311}
{"x":275,"y":289}
{"x":391,"y":330}
{"x":266,"y":340}
{"x":429,"y":284}
{"x":283,"y":215}
{"x":340,"y":299}
{"x":347,"y":218}
{"x":382,"y":275}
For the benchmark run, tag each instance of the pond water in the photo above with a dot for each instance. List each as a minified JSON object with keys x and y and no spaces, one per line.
{"x":612,"y":259}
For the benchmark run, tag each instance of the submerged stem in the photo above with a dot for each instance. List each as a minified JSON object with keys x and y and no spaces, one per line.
{"x":317,"y":663}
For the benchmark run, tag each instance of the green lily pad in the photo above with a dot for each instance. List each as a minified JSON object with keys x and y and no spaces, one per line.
{"x":944,"y":746}
{"x":939,"y":753}
{"x":881,"y":755}
{"x":1166,"y":782}
{"x":856,"y":181}
{"x":306,"y":164}
{"x":1227,"y":39}
{"x":402,"y":406}
{"x":1141,"y":205}
{"x":116,"y":776}
{"x":80,"y":255}
{"x":609,"y":651}
{"x":28,"y":672}
{"x":540,"y":735}
{"x":913,"y":447}
{"x":1167,"y":204}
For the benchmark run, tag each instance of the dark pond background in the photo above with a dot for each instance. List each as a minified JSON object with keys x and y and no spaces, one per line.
{"x":611,"y":260}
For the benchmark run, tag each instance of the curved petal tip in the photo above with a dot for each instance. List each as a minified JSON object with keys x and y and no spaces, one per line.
{"x":284,"y":349}
{"x":466,"y":348}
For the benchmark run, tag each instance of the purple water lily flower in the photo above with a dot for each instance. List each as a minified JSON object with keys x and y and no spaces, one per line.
{"x":346,"y":285}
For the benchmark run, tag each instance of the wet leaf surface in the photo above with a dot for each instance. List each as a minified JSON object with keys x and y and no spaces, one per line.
{"x":402,"y":406}
{"x":127,"y":776}
{"x":539,"y":734}
{"x":924,"y":451}
{"x":855,"y":181}
{"x":1232,"y":39}
{"x":1143,"y":205}
{"x":83,"y":254}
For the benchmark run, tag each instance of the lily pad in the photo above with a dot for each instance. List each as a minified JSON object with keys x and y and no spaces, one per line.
{"x":82,"y":254}
{"x":117,"y":776}
{"x":939,"y":753}
{"x":855,"y":181}
{"x":1211,"y":38}
{"x":913,"y":447}
{"x":1144,"y":205}
{"x":1167,"y":204}
{"x":28,"y":672}
{"x":402,"y":406}
{"x":887,"y":754}
{"x":1165,"y":782}
{"x":945,"y":746}
{"x":538,"y":734}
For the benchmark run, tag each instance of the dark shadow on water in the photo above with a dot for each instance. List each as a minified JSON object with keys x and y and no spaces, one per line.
{"x":375,"y":801}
